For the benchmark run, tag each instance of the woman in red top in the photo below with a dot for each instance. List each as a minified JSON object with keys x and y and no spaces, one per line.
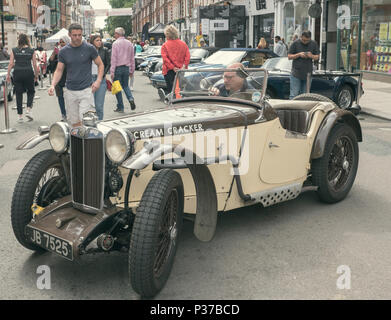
{"x":175,"y":54}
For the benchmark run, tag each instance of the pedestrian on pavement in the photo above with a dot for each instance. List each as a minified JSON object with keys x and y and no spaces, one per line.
{"x":146,"y":45}
{"x":3,"y":53}
{"x":23,"y":61}
{"x":64,"y":40}
{"x":303,"y":52}
{"x":279,"y":48}
{"x":122,"y":67}
{"x":262,"y":44}
{"x":139,"y":48}
{"x":42,"y":60}
{"x":77,"y":57}
{"x":294,"y":38}
{"x":175,"y":54}
{"x":99,"y":95}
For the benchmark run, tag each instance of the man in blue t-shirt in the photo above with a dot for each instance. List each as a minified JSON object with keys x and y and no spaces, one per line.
{"x":78,"y":57}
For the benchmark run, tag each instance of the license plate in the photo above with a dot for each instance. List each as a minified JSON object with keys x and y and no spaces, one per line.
{"x":51,"y":243}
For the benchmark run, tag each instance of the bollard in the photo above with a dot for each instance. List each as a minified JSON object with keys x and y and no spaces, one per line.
{"x":6,"y":114}
{"x":308,"y":82}
{"x":50,"y":79}
{"x":40,"y":72}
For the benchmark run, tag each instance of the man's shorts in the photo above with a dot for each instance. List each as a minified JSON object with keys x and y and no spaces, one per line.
{"x":78,"y":102}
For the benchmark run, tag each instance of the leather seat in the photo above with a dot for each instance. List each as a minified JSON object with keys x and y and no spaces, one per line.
{"x":294,"y":120}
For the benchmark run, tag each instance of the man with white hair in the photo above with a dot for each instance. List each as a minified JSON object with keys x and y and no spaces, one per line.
{"x":122,"y":67}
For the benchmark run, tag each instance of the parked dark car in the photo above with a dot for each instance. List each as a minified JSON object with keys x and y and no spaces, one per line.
{"x":152,"y":52}
{"x":251,"y":58}
{"x":336,"y":85}
{"x":10,"y":86}
{"x":197,"y":55}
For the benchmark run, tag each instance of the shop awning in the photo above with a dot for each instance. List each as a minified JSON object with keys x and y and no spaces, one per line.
{"x":157,"y":29}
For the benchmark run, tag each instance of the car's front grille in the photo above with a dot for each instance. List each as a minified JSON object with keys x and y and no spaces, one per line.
{"x":87,"y":168}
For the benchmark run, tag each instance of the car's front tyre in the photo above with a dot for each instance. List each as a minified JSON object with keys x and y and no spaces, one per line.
{"x":335,"y":172}
{"x":41,"y":182}
{"x":154,"y":238}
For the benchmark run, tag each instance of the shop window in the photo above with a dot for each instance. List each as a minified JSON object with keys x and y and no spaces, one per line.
{"x":376,"y":40}
{"x":289,"y":22}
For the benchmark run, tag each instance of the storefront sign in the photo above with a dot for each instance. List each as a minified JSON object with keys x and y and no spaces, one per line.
{"x":218,"y":25}
{"x":205,"y":26}
{"x":383,"y":32}
{"x":193,"y":27}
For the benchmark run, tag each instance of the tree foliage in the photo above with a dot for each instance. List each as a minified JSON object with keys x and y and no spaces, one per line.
{"x":121,"y":21}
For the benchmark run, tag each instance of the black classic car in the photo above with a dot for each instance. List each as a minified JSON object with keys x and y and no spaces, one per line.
{"x":197,"y":55}
{"x":151,"y":52}
{"x":338,"y":86}
{"x":252,"y":58}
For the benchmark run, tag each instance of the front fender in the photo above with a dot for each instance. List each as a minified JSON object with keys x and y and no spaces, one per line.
{"x":33,"y":142}
{"x":206,"y":212}
{"x":334,"y":116}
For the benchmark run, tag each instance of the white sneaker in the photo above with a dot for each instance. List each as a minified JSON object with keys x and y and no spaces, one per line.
{"x":29,"y":115}
{"x":64,"y":119}
{"x":20,"y":120}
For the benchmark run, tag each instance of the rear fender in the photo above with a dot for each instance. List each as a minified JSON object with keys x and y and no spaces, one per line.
{"x":335,"y":116}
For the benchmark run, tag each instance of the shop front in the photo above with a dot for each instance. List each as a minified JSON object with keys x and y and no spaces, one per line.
{"x":293,"y":18}
{"x":363,"y":37}
{"x":262,"y":19}
{"x":376,"y":37}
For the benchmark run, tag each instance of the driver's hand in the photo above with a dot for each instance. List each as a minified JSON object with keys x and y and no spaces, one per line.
{"x":214,"y":91}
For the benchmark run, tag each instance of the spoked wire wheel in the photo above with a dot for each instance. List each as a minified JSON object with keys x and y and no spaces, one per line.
{"x":41,"y":182}
{"x":156,"y":228}
{"x":340,"y":162}
{"x":335,"y":172}
{"x":168,"y":233}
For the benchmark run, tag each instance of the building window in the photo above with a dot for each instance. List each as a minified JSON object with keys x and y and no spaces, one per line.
{"x":260,"y":4}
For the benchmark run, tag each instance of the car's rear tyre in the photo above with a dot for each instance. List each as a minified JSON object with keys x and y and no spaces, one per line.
{"x":335,"y":172}
{"x":345,"y":97}
{"x":312,"y":97}
{"x":41,"y":182}
{"x":155,"y":233}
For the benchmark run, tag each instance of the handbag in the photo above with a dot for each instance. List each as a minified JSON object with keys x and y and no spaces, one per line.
{"x":116,"y":87}
{"x":108,"y":84}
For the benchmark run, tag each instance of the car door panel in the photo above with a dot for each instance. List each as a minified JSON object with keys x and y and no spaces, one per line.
{"x":285,"y":157}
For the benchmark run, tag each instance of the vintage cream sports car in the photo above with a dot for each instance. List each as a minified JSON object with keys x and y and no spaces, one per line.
{"x":126,"y":184}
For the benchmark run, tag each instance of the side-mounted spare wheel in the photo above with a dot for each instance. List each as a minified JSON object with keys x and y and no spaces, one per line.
{"x":41,"y":182}
{"x":155,"y":233}
{"x":335,"y":172}
{"x":312,"y":97}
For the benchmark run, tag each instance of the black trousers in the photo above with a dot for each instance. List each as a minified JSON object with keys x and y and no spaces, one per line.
{"x":24,"y":81}
{"x":169,"y":77}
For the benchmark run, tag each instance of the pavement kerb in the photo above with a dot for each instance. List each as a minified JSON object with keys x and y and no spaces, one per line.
{"x":373,"y":113}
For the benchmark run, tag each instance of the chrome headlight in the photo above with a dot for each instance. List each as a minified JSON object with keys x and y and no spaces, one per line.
{"x":59,"y":137}
{"x":118,"y":145}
